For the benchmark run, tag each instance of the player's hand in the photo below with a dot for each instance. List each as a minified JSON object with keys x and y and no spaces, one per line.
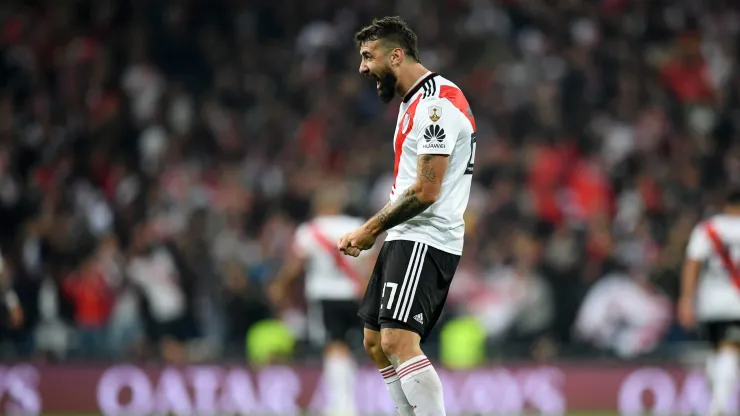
{"x":346,"y":247}
{"x":686,"y":313}
{"x":355,"y":242}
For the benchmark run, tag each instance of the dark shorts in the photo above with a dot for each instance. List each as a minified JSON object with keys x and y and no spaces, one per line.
{"x":408,"y":287}
{"x":719,"y":331}
{"x":339,"y":318}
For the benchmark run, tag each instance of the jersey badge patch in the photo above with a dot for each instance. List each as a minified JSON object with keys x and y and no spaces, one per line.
{"x":435,"y":113}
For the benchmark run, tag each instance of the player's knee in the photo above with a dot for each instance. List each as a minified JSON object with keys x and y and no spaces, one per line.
{"x":372,"y":345}
{"x":391,"y":345}
{"x":399,"y":343}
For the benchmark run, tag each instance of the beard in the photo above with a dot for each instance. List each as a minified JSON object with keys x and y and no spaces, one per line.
{"x":387,"y":87}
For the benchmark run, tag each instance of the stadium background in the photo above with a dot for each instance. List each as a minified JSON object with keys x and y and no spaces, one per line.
{"x":606,"y":129}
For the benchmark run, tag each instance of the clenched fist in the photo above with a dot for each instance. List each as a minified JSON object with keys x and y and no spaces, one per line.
{"x":355,"y":242}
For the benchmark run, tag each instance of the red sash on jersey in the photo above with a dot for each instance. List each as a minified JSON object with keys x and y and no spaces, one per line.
{"x":723,"y":254}
{"x":339,"y":259}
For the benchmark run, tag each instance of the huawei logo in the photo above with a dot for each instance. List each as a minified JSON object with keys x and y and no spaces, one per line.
{"x":434,"y":132}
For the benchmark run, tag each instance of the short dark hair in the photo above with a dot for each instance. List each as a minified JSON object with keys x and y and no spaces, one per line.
{"x":733,"y":197}
{"x":390,"y":29}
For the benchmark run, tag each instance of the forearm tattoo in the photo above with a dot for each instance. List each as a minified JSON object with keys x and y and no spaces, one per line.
{"x":408,"y":205}
{"x":426,"y":170}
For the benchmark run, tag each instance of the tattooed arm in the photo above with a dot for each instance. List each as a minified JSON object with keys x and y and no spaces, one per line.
{"x":437,"y":126}
{"x":430,"y":170}
{"x":412,"y":202}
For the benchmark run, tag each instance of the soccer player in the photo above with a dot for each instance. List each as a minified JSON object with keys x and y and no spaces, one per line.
{"x":710,"y":293}
{"x":434,"y":152}
{"x":334,"y":285}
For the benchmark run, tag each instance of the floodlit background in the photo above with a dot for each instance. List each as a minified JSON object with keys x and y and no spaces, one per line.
{"x":195,"y":133}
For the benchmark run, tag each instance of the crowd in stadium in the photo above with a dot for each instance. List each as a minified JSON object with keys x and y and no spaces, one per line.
{"x":156,"y":157}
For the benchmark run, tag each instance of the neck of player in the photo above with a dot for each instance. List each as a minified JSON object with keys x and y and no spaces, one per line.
{"x":408,"y":76}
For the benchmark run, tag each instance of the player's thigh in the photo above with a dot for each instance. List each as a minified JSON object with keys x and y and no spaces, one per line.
{"x":417,"y":280}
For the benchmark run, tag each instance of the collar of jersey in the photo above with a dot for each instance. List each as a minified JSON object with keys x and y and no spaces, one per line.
{"x":423,"y":80}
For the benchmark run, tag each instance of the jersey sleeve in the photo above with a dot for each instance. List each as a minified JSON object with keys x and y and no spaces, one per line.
{"x":699,"y":247}
{"x":437,"y":124}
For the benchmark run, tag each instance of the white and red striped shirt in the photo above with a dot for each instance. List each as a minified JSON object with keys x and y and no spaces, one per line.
{"x":717,"y":296}
{"x":330,"y":275}
{"x":435,"y":118}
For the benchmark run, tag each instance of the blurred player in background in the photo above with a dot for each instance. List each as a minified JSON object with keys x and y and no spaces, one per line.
{"x":434,"y":154}
{"x":334,"y":285}
{"x":710,"y":293}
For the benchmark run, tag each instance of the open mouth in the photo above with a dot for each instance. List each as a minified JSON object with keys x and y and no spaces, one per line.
{"x":377,"y":81}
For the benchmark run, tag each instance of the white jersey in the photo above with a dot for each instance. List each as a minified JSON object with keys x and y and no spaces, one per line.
{"x":435,"y":118}
{"x":316,"y":241}
{"x":157,"y":276}
{"x":717,"y":298}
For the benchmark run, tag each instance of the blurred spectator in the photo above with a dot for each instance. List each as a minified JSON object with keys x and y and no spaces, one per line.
{"x":11,"y":312}
{"x":512,"y":300}
{"x":624,"y":314}
{"x":152,"y":268}
{"x":93,"y":300}
{"x":243,"y":300}
{"x":125,"y":327}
